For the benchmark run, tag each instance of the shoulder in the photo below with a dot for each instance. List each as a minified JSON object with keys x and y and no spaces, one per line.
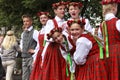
{"x":50,"y":21}
{"x":84,"y":40}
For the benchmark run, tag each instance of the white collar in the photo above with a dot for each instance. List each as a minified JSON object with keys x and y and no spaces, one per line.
{"x":58,"y":19}
{"x":109,"y":16}
{"x":30,"y":28}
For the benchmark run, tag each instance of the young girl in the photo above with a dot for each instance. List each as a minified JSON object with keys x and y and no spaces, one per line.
{"x":66,"y":47}
{"x":53,"y":64}
{"x":74,"y":9}
{"x":43,"y":16}
{"x":86,"y":55}
{"x":110,"y":31}
{"x":8,"y":51}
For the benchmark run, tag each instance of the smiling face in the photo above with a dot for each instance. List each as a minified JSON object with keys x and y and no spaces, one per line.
{"x":76,"y":30}
{"x":60,"y":11}
{"x":43,"y":19}
{"x":57,"y":37}
{"x":27,"y":22}
{"x":74,"y":11}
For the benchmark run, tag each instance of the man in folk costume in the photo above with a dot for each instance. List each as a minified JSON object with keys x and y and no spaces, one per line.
{"x":110,"y":31}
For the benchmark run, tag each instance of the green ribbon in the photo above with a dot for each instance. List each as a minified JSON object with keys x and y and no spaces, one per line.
{"x":106,"y":39}
{"x":44,"y":42}
{"x":100,"y":48}
{"x":99,"y":44}
{"x":69,"y":60}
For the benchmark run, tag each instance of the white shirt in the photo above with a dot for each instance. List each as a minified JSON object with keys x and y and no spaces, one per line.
{"x":108,"y":17}
{"x":83,"y":46}
{"x":42,"y":31}
{"x":50,"y":24}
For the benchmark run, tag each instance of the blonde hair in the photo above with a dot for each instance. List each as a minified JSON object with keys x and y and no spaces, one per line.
{"x":108,"y":8}
{"x":9,"y":40}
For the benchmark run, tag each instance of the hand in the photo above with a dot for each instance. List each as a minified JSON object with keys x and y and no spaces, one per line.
{"x":31,"y":51}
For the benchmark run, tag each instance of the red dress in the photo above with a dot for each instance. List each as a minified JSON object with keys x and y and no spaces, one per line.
{"x":94,"y":68}
{"x":113,"y":62}
{"x":54,"y":65}
{"x":35,"y":74}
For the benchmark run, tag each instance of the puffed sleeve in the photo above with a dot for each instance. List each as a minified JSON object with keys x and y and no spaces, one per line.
{"x":83,"y":46}
{"x":118,"y":25}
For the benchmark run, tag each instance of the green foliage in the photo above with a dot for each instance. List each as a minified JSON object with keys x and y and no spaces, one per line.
{"x":12,"y":10}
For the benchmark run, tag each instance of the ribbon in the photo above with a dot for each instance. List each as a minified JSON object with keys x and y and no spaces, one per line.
{"x":100,"y":47}
{"x":44,"y":42}
{"x":105,"y":32}
{"x":69,"y":61}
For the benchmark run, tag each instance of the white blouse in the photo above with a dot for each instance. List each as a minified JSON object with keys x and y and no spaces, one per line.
{"x":83,"y":46}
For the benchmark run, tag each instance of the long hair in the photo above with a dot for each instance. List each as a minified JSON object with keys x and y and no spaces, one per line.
{"x":9,"y":40}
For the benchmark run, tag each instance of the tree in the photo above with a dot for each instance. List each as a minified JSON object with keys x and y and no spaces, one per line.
{"x":12,"y":10}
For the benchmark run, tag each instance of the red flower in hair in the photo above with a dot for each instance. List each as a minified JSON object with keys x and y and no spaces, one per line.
{"x":43,"y":13}
{"x":79,"y":4}
{"x":55,"y":5}
{"x":104,"y":2}
{"x":53,"y":31}
{"x":80,"y":22}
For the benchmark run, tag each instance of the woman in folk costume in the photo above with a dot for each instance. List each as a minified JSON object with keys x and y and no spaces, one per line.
{"x":110,"y":31}
{"x":43,"y":17}
{"x":87,"y":54}
{"x":74,"y":9}
{"x":53,"y":64}
{"x":67,"y":48}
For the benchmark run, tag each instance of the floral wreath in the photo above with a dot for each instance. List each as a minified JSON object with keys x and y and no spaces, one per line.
{"x":43,"y":13}
{"x":79,"y":4}
{"x":55,"y":5}
{"x":49,"y":35}
{"x":80,"y":22}
{"x":110,"y":1}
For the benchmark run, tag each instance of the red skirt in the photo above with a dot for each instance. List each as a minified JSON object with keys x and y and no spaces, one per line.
{"x":113,"y":62}
{"x":54,"y":65}
{"x":35,"y":74}
{"x":93,"y":69}
{"x":36,"y":71}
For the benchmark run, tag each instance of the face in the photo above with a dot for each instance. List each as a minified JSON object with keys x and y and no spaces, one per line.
{"x":43,"y":19}
{"x":27,"y":22}
{"x":74,"y":12}
{"x":76,"y":30}
{"x":57,"y":37}
{"x":60,"y":11}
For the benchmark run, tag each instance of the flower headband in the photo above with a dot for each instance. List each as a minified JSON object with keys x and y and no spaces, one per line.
{"x":104,"y":2}
{"x":49,"y":35}
{"x":55,"y":5}
{"x":80,"y":22}
{"x":43,"y":13}
{"x":79,"y":4}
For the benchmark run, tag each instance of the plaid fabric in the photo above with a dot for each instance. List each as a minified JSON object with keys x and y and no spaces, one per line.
{"x":94,"y":68}
{"x":54,"y":65}
{"x":36,"y":71}
{"x":113,"y":62}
